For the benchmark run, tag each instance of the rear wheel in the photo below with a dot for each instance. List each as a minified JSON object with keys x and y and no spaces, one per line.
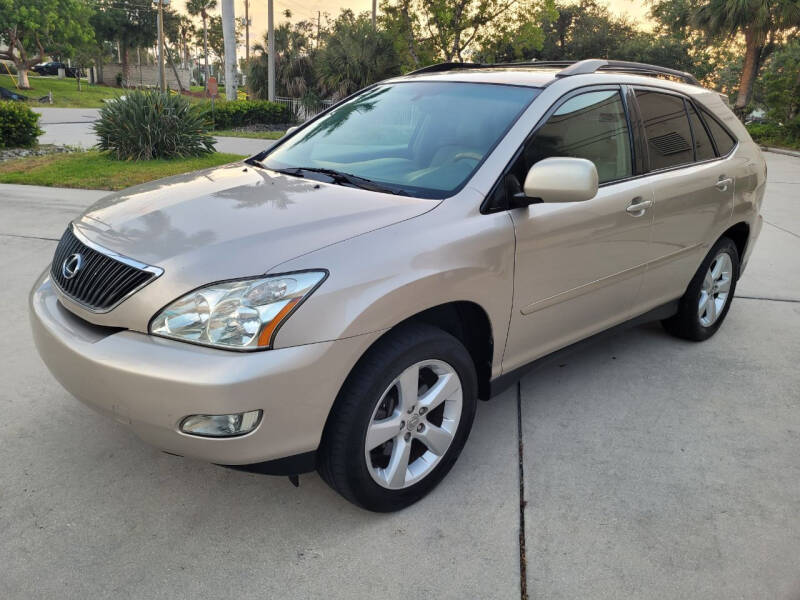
{"x":401,"y":419}
{"x":704,"y":306}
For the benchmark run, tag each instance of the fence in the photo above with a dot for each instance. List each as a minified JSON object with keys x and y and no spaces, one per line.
{"x":304,"y":110}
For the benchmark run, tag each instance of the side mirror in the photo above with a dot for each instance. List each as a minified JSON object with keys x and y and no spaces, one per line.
{"x":291,"y":130}
{"x":559,"y":179}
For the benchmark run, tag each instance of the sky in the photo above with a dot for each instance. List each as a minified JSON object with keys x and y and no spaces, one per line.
{"x":307,"y":10}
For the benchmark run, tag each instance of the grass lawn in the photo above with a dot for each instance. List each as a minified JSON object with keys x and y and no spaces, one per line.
{"x":65,"y":91}
{"x":97,"y":171}
{"x":258,"y":135}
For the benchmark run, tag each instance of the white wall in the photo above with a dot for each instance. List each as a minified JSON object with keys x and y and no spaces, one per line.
{"x":146,"y":75}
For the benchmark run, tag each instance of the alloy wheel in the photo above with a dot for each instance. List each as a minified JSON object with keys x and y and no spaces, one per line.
{"x":715,"y":290}
{"x":413,"y":424}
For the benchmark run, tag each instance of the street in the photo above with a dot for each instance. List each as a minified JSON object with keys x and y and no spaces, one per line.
{"x":73,"y":127}
{"x":651,"y":467}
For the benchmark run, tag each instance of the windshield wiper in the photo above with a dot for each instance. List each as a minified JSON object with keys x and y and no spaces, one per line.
{"x":343,"y":178}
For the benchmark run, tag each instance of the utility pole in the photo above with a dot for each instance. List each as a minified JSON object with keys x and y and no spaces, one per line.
{"x":374,"y":12}
{"x":318,"y":24}
{"x":271,"y":51}
{"x":229,"y":39}
{"x":162,"y":73}
{"x":247,"y":31}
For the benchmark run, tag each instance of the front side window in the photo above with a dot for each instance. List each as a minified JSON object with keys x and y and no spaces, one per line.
{"x":669,"y":137}
{"x":421,"y":138}
{"x":591,"y":125}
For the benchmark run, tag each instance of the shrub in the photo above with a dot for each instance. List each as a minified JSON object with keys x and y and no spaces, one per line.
{"x":19,"y":125}
{"x":774,"y":134}
{"x":793,"y":129}
{"x":152,"y":124}
{"x":763,"y":131}
{"x":240,"y":113}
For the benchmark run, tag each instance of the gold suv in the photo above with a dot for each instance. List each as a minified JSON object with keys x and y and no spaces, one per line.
{"x":341,"y":301}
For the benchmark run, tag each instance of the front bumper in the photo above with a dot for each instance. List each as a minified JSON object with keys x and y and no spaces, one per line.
{"x":150,"y":384}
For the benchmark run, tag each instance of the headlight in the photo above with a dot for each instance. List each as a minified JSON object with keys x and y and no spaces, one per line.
{"x":244,"y":314}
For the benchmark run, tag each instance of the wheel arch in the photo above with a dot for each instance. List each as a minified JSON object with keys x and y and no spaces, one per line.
{"x":465,"y":320}
{"x":469,"y":323}
{"x":739,"y":234}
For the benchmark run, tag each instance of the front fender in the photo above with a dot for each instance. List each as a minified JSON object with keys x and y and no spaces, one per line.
{"x":379,"y":279}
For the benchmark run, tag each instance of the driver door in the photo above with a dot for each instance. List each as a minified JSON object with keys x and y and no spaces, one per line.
{"x":579,"y":265}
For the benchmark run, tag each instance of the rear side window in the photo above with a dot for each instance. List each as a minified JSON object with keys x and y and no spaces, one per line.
{"x":725,"y":142}
{"x":591,"y":126}
{"x":703,"y":148}
{"x":669,"y":136}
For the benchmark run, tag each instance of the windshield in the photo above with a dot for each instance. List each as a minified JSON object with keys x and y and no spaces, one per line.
{"x":422,"y":138}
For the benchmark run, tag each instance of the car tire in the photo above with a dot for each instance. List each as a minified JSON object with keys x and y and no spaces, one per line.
{"x":427,"y":426}
{"x":704,"y":306}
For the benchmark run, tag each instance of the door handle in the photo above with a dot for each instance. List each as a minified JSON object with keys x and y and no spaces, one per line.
{"x":723,"y":183}
{"x":637,"y":207}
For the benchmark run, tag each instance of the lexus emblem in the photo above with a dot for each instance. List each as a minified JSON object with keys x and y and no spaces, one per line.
{"x":71,"y":265}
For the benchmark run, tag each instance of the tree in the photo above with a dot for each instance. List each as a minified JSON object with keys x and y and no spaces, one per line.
{"x":762,"y":23}
{"x":779,"y":87}
{"x":294,"y":62}
{"x":200,"y":8}
{"x":454,"y":25}
{"x":131,"y":23}
{"x":519,"y":35}
{"x":710,"y":56}
{"x":32,"y":29}
{"x":186,"y":30}
{"x":216,"y":40}
{"x":404,"y":26}
{"x":424,"y":31}
{"x":584,"y":29}
{"x":354,"y":55}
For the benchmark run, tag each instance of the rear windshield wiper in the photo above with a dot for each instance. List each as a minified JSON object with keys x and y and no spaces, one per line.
{"x":341,"y":177}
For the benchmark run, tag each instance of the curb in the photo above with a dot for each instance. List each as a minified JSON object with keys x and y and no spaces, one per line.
{"x":781,"y":151}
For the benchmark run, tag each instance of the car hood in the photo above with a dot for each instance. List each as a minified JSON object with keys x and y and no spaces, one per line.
{"x":230,"y":222}
{"x":236,"y":221}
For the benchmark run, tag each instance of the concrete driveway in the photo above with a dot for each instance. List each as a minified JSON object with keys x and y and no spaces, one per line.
{"x":651,"y":468}
{"x":73,"y":127}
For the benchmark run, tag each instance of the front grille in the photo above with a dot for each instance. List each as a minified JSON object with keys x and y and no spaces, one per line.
{"x":101,"y":282}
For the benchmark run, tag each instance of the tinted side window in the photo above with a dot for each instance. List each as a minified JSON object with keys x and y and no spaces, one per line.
{"x":725,"y":142}
{"x":591,"y":126}
{"x":703,"y":148}
{"x":669,"y":138}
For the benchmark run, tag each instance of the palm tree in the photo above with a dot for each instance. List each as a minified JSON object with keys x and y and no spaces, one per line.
{"x":185,"y":32}
{"x":759,"y":21}
{"x":354,"y":55}
{"x":201,"y":8}
{"x":294,"y":54}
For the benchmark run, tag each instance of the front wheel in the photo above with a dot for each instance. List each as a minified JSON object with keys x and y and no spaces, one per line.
{"x":704,"y":306}
{"x":401,"y":419}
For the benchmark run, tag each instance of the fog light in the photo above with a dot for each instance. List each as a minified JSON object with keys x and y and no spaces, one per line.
{"x":221,"y":425}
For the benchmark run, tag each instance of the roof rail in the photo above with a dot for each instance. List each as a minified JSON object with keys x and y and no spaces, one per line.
{"x":568,"y":67}
{"x":593,"y":65}
{"x":447,"y":66}
{"x":535,"y":64}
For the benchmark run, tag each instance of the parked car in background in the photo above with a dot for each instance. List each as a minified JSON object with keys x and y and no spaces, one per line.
{"x":341,"y":301}
{"x":51,"y":68}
